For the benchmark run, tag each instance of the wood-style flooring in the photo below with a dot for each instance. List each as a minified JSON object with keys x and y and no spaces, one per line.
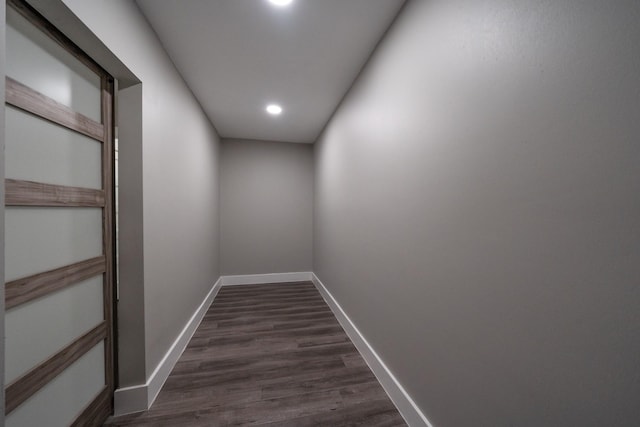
{"x":269,"y":355}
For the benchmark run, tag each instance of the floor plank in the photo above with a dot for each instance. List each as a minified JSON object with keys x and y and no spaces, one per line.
{"x":269,"y":355}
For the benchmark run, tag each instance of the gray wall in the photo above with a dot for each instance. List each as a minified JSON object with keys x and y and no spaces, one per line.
{"x":177,"y":247}
{"x":477,"y":210}
{"x":131,"y":312}
{"x":266,"y":202}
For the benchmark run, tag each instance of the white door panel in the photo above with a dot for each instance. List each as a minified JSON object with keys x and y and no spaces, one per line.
{"x":59,"y":402}
{"x":42,"y":327}
{"x":41,"y":239}
{"x":32,"y":58}
{"x":41,"y":151}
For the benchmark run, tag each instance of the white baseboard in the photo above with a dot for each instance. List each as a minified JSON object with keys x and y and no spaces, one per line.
{"x":406,"y":406}
{"x":128,"y":400}
{"x":253,"y":279}
{"x":139,"y":398}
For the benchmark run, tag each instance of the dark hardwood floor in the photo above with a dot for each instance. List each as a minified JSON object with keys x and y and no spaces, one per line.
{"x":269,"y":355}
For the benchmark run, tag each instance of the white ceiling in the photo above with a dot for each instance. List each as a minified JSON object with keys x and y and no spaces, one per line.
{"x":239,"y":55}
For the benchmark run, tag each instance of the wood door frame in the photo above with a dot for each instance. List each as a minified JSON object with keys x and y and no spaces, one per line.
{"x":26,"y":193}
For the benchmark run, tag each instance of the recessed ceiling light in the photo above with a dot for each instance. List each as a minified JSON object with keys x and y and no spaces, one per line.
{"x":280,"y":2}
{"x":274,"y":109}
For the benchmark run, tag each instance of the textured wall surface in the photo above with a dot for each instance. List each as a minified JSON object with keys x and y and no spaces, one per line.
{"x":266,"y":202}
{"x":477,"y":210}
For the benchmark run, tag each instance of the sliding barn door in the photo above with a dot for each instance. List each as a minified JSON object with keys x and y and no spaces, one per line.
{"x":58,"y":227}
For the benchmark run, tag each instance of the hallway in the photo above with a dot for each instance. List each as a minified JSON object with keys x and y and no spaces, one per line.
{"x":269,"y":355}
{"x":443,"y":197}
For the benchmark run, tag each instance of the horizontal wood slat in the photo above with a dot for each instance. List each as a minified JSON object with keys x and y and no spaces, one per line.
{"x":29,"y":288}
{"x":27,"y":385}
{"x":27,"y":99}
{"x":29,"y":193}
